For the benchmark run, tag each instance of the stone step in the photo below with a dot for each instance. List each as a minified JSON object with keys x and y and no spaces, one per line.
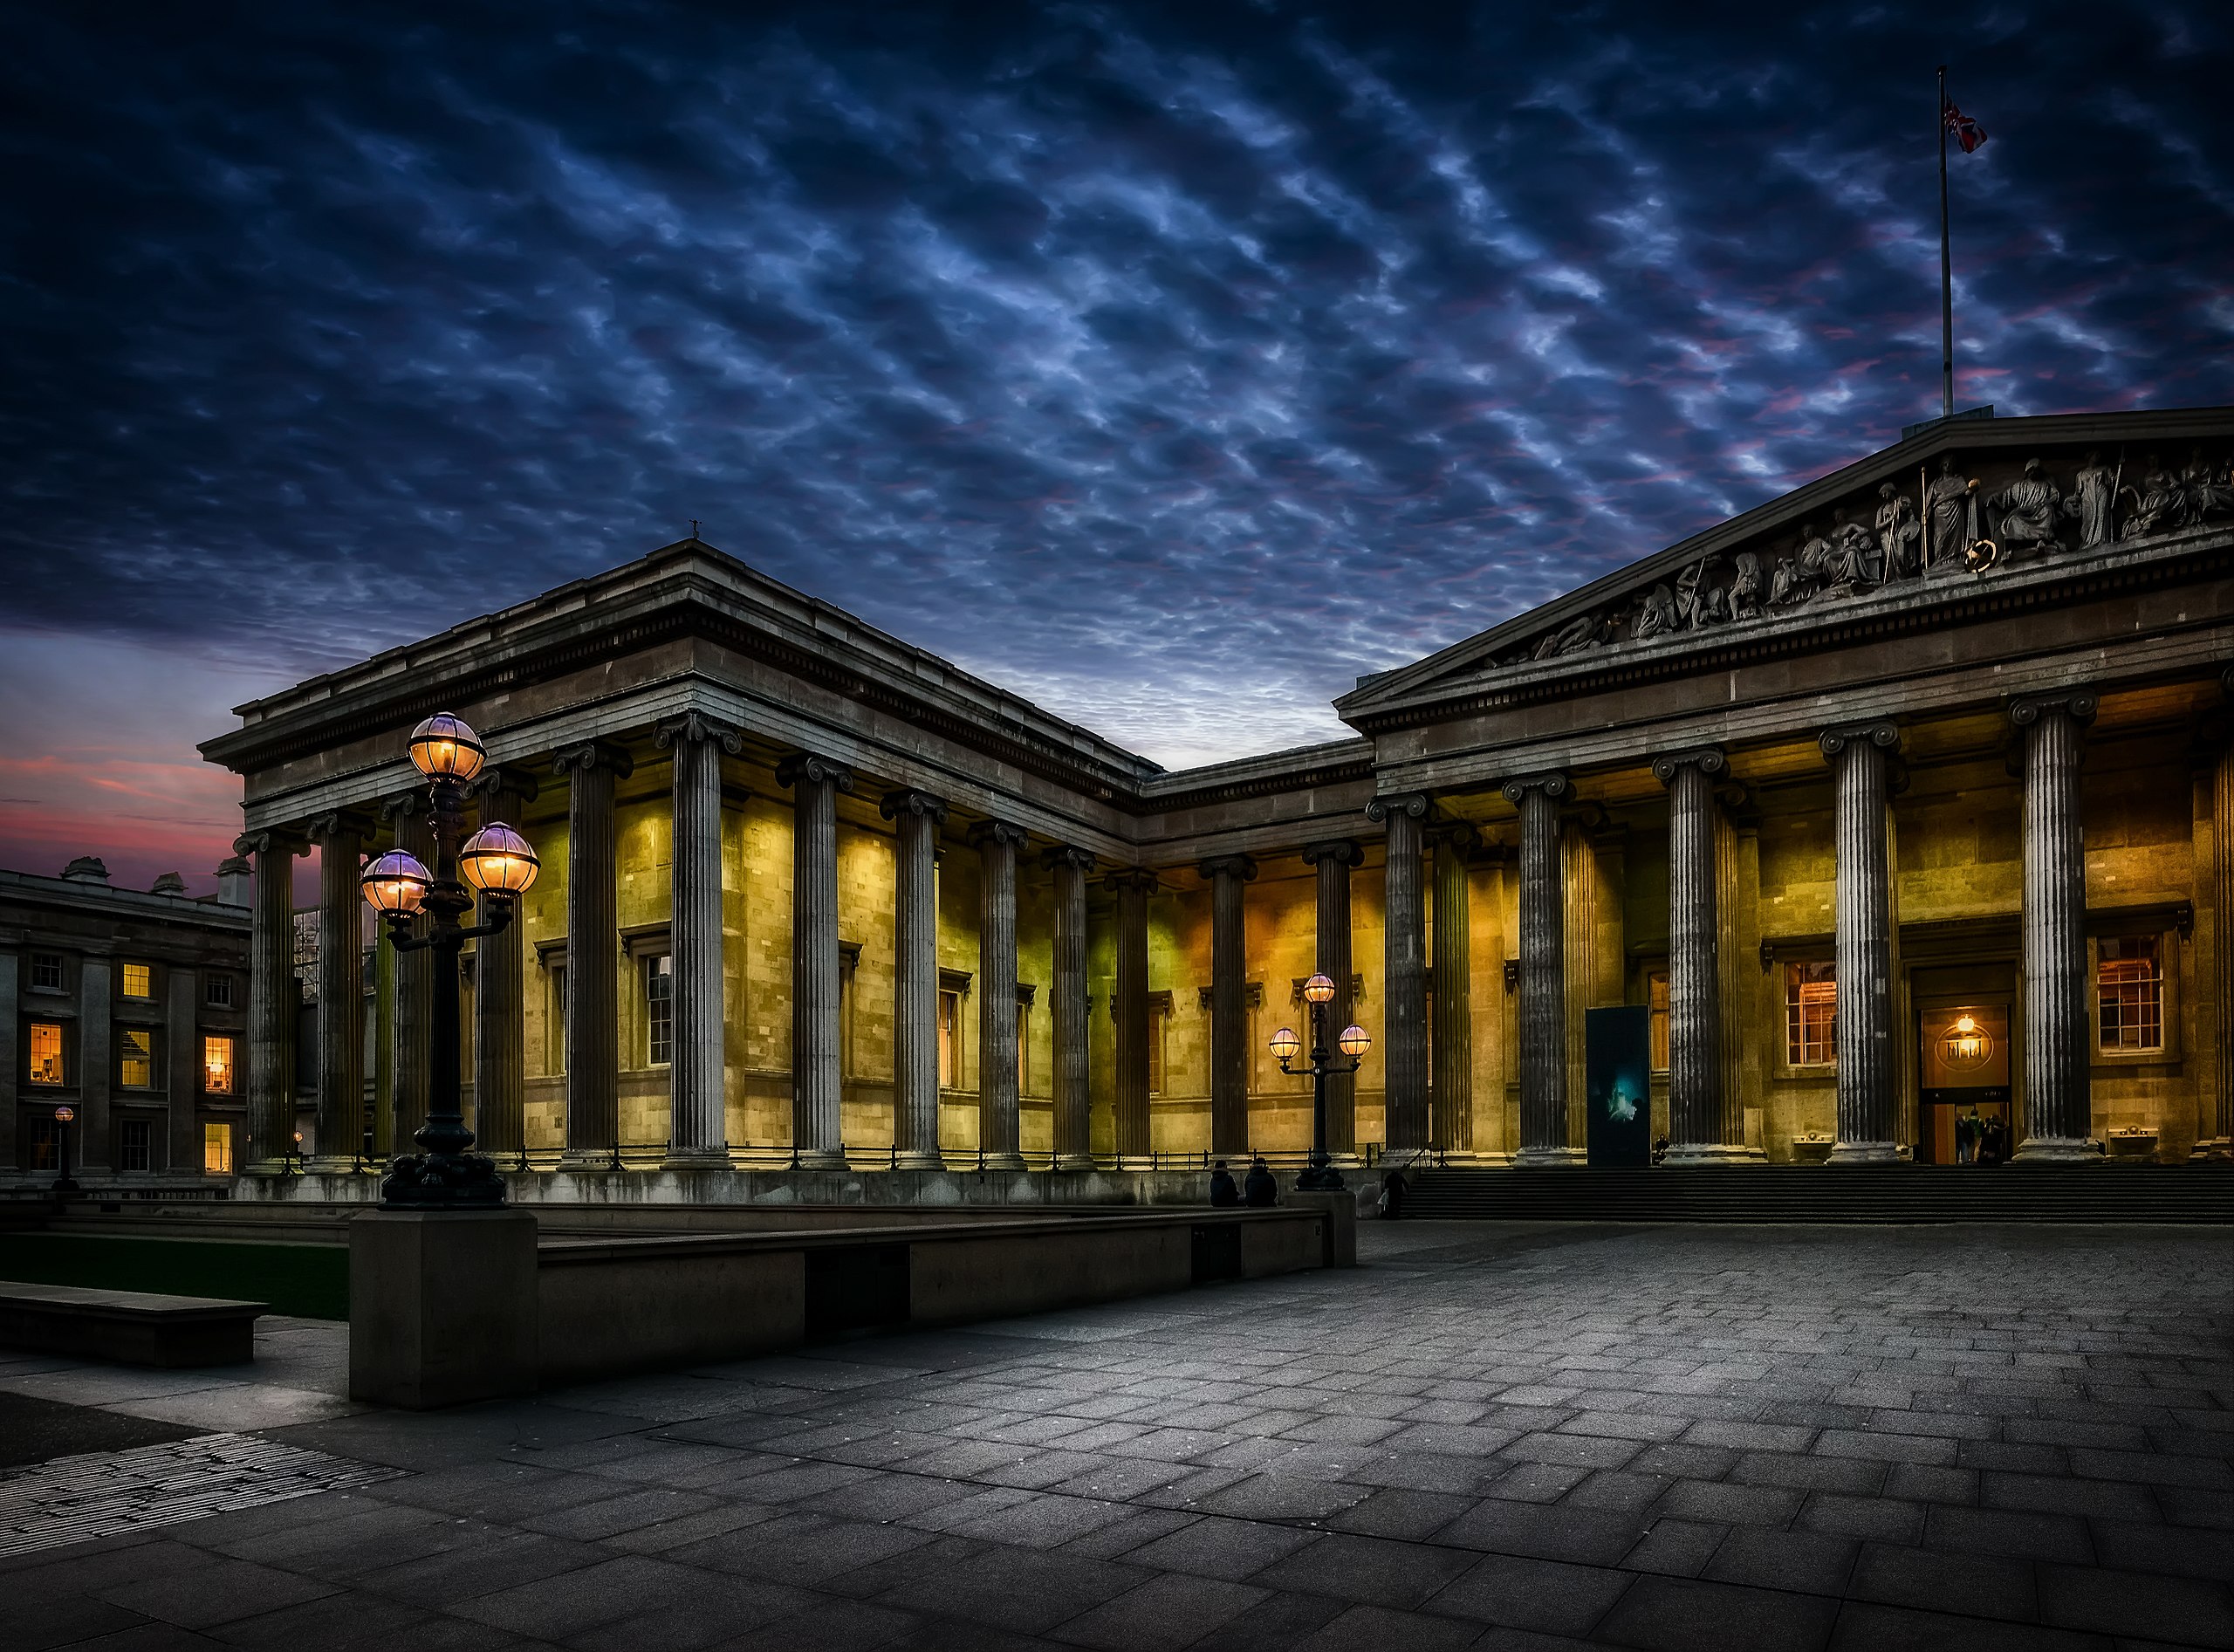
{"x":2104,"y":1193}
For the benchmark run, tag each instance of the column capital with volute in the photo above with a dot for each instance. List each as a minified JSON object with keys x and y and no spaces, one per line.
{"x":696,"y":725}
{"x":2077,"y":703}
{"x":815,"y":770}
{"x":338,"y":823}
{"x":908,"y":801}
{"x":1881,"y":732}
{"x":1067,"y":854}
{"x":984,"y":832}
{"x":1710,"y":760}
{"x":592,"y":754}
{"x":1130,"y":880}
{"x":1344,"y":851}
{"x":508,"y":780}
{"x":1417,"y":805}
{"x":1550,"y":782}
{"x":1229,"y":866}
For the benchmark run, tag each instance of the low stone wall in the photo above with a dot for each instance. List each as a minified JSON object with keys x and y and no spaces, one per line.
{"x":605,"y":1306}
{"x":878,"y":1188}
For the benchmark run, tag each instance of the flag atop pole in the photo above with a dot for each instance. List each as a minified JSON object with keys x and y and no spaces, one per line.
{"x":1970,"y":134}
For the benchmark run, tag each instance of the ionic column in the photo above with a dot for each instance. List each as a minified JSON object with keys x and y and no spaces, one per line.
{"x":1332,"y":862}
{"x":1073,"y":1125}
{"x":1130,"y":1007}
{"x":499,"y":996}
{"x":1228,"y":875}
{"x":998,"y":1128}
{"x":273,"y":1001}
{"x":915,"y":986}
{"x":816,"y":1141}
{"x":1452,"y":1112}
{"x":1864,"y":1027}
{"x":1696,"y":1109}
{"x":2218,"y":1141}
{"x":1404,"y":1020}
{"x":698,"y":1086}
{"x":1543,"y":974}
{"x":2058,"y":1041}
{"x":341,"y":839}
{"x":592,"y":954}
{"x":411,"y":1019}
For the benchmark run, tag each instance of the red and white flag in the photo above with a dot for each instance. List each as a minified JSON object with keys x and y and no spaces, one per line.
{"x":1968,"y":133}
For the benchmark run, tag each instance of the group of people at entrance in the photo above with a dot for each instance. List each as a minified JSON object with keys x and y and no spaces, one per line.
{"x":1979,"y":1139}
{"x":1258,"y":1189}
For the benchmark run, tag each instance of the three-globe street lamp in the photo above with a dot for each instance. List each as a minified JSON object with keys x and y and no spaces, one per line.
{"x":495,"y":860}
{"x":1320,"y":1176}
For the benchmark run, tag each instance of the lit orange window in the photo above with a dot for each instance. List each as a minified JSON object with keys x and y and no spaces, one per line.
{"x":1656,"y":985}
{"x":2131,"y":988}
{"x":139,"y":980}
{"x":1811,"y":1015}
{"x":218,"y":1065}
{"x":217,"y":1149}
{"x":46,"y":1053}
{"x":135,"y":1062}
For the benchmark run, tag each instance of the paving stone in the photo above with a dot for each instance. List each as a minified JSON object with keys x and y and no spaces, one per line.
{"x":1221,"y":1548}
{"x":2184,"y":1610}
{"x":1675,"y":1615}
{"x":1933,"y":1579}
{"x":1883,"y":1519}
{"x":1167,"y":1612}
{"x":1520,"y":1594}
{"x":1811,"y":1562}
{"x":1730,"y":1505}
{"x":1866,"y":1627}
{"x":1012,"y":1588}
{"x":2028,"y":1537}
{"x":1675,"y":1548}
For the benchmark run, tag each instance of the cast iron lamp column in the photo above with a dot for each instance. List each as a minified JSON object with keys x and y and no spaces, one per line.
{"x":63,"y":1182}
{"x":498,"y":861}
{"x":1320,"y":1176}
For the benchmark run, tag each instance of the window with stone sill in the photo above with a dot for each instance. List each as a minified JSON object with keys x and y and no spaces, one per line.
{"x":1655,"y":997}
{"x":47,"y":971}
{"x":217,"y":1065}
{"x":1811,"y":1015}
{"x":45,"y":1051}
{"x":2129,"y":987}
{"x":135,"y":1059}
{"x":43,"y":1142}
{"x":1158,"y":1024}
{"x":217,"y":991}
{"x":949,"y":1040}
{"x":217,"y":1149}
{"x":554,"y":1020}
{"x":139,"y":980}
{"x":1023,"y":1049}
{"x":659,"y":1009}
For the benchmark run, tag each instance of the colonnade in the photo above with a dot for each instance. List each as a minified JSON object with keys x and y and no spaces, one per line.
{"x":1429,"y":1101}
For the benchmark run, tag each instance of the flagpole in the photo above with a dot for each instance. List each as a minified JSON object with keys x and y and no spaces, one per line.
{"x":1946,"y":269}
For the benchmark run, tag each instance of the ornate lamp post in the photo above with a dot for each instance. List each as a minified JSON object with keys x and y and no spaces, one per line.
{"x":1320,"y":1176}
{"x":63,"y":1182}
{"x":495,"y":860}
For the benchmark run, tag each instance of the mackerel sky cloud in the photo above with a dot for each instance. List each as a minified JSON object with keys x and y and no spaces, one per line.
{"x":1172,"y":367}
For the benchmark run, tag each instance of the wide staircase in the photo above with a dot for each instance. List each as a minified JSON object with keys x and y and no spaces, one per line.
{"x":2115,"y":1193}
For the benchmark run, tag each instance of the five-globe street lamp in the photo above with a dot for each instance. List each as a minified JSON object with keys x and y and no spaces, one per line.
{"x":1353,"y":1041}
{"x":498,"y":862}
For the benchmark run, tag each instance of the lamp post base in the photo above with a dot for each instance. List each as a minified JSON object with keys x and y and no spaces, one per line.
{"x":1319,"y":1176}
{"x":443,"y":1181}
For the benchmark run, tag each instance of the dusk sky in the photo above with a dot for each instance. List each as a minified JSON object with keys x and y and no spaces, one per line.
{"x":1170,"y":367}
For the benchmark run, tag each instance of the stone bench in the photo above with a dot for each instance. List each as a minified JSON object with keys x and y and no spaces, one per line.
{"x":135,"y":1327}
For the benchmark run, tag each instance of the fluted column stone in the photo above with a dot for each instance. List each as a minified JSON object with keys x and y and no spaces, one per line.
{"x":1404,"y":1016}
{"x":341,"y":839}
{"x":1543,"y":974}
{"x":698,"y":1113}
{"x":273,"y":1001}
{"x":2057,"y":1040}
{"x":2218,"y":1134}
{"x":998,"y":1126}
{"x":1074,"y":1116}
{"x":1864,"y":1028}
{"x":1452,"y":1045}
{"x":1697,"y":1109}
{"x":499,"y":1007}
{"x":592,"y":954}
{"x":1228,"y":875}
{"x":917,"y":816}
{"x":816,"y":1079}
{"x":1332,"y":862}
{"x":1130,"y":1008}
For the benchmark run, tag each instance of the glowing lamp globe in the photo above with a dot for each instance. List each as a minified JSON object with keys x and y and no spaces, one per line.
{"x":1356,"y":1040}
{"x":1286,"y":1044}
{"x":63,"y":1115}
{"x":1319,"y":988}
{"x":395,"y":883}
{"x":444,"y":748}
{"x":497,"y":861}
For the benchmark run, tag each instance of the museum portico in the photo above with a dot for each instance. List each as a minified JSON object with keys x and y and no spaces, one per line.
{"x":1898,"y":802}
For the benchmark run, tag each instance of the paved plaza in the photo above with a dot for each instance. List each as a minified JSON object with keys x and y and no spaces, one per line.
{"x":1487,"y":1436}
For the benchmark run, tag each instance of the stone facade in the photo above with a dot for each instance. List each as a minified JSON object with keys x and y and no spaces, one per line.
{"x":1901,"y":798}
{"x":130,"y":1008}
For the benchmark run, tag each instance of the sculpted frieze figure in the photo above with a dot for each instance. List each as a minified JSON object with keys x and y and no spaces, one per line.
{"x":1900,"y":534}
{"x":1855,"y":559}
{"x":1655,"y":614}
{"x":1585,"y":631}
{"x":1796,"y":578}
{"x":1698,"y":604}
{"x":1745,"y":587}
{"x":2093,"y":503}
{"x":2209,"y":492}
{"x":1948,"y":514}
{"x":2027,"y":512}
{"x":2159,"y":504}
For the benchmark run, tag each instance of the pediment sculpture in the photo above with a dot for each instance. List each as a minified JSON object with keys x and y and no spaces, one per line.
{"x":1940,"y":526}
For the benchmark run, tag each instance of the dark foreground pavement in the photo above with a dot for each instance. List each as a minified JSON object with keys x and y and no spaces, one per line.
{"x":1719,"y":1438}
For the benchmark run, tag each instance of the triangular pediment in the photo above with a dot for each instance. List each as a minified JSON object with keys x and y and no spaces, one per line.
{"x":1960,"y":502}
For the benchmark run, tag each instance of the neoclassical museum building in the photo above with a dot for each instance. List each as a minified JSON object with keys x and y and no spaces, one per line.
{"x":1903,"y":799}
